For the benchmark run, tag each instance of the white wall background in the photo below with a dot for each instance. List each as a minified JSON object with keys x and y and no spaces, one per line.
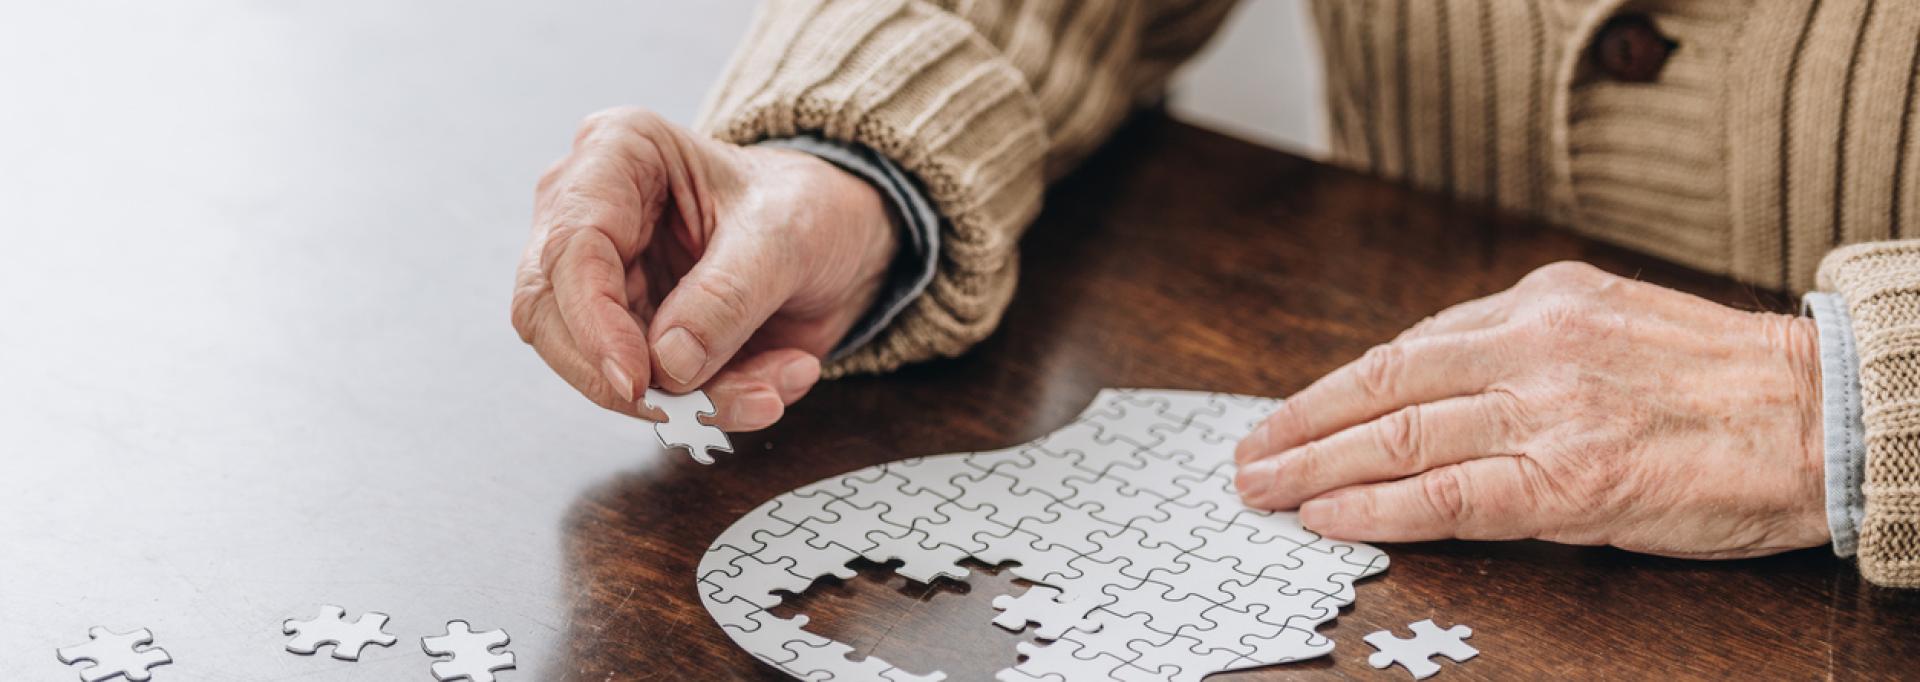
{"x":1260,"y":79}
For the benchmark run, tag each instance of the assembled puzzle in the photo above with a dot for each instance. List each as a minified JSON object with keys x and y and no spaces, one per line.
{"x":1145,"y":561}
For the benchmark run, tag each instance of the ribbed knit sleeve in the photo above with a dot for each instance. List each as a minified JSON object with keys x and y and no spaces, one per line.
{"x":982,"y":101}
{"x":1881,"y":284}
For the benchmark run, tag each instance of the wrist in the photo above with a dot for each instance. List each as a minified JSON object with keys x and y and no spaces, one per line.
{"x":844,"y":234}
{"x":875,"y":225}
{"x":866,"y":236}
{"x":1803,"y":349}
{"x":1801,"y":341}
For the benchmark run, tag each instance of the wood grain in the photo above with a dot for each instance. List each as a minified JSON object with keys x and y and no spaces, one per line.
{"x":1180,"y":258}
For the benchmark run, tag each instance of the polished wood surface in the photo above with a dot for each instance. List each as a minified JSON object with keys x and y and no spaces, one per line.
{"x":1180,"y":258}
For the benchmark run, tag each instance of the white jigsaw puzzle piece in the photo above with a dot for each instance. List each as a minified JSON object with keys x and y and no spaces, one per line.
{"x":1414,"y":654}
{"x":1041,"y":604}
{"x":829,"y":662}
{"x":113,"y":654}
{"x":1061,"y":660}
{"x":1148,"y":565}
{"x":476,"y":656}
{"x":332,"y":628}
{"x":1181,"y":659}
{"x":683,"y":428}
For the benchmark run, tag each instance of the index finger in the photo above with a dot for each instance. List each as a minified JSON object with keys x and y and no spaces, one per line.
{"x":589,"y":281}
{"x":599,"y":216}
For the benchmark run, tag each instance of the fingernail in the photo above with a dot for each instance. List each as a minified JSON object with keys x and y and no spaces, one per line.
{"x":1319,"y":512}
{"x":799,"y":375}
{"x":1254,"y":444}
{"x":1254,"y":478}
{"x":681,"y":355}
{"x":621,"y":381}
{"x":757,"y":410}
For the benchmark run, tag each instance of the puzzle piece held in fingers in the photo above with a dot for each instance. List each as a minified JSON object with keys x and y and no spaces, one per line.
{"x":684,"y":428}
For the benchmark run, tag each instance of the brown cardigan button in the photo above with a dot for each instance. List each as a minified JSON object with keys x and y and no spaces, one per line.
{"x":1629,"y":49}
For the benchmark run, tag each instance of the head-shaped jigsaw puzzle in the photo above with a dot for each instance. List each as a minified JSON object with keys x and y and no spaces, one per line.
{"x":1126,"y":518}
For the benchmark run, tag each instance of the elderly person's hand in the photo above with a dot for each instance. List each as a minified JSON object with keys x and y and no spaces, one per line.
{"x":1576,"y":407}
{"x":662,"y":256}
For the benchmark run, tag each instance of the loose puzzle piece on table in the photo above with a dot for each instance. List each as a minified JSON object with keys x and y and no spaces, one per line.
{"x":333,"y":628}
{"x":1145,"y":561}
{"x":683,"y":428}
{"x":113,"y":655}
{"x":1414,"y":654}
{"x":475,"y":656}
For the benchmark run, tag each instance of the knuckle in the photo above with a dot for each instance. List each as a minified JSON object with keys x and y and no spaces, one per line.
{"x":1565,"y":318}
{"x":1576,"y":473}
{"x":1604,"y":479}
{"x":1617,"y":490}
{"x":531,"y":287}
{"x":1307,"y":464}
{"x":1421,"y":327}
{"x":1376,"y":371}
{"x":1286,"y":421}
{"x":1550,"y":506}
{"x":525,"y":313}
{"x":1509,"y":414}
{"x":1445,"y":491}
{"x":550,"y":176}
{"x":731,"y":297}
{"x":1398,"y":438}
{"x":1560,"y":275}
{"x":552,"y":245}
{"x":612,"y":118}
{"x":595,"y":124}
{"x":616,"y":124}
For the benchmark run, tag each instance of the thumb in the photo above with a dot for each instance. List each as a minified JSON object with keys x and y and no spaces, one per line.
{"x":710,"y":313}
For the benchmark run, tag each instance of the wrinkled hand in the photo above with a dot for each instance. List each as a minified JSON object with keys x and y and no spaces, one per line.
{"x":659,"y":255}
{"x":1576,"y":407}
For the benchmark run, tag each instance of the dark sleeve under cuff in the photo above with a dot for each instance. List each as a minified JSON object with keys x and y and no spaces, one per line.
{"x":918,"y":222}
{"x":1843,"y":427}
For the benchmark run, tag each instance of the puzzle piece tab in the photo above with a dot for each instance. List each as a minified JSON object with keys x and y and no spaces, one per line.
{"x":683,"y":428}
{"x":115,"y":655}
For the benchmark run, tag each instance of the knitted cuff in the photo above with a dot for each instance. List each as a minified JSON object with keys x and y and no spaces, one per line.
{"x":1881,"y":284}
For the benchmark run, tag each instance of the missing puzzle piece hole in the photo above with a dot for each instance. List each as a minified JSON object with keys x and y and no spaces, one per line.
{"x":946,"y":625}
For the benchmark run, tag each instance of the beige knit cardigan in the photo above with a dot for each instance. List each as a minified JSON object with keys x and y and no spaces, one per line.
{"x":1778,"y":132}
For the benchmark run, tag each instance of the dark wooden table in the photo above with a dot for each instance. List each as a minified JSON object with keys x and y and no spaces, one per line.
{"x":1181,"y":258}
